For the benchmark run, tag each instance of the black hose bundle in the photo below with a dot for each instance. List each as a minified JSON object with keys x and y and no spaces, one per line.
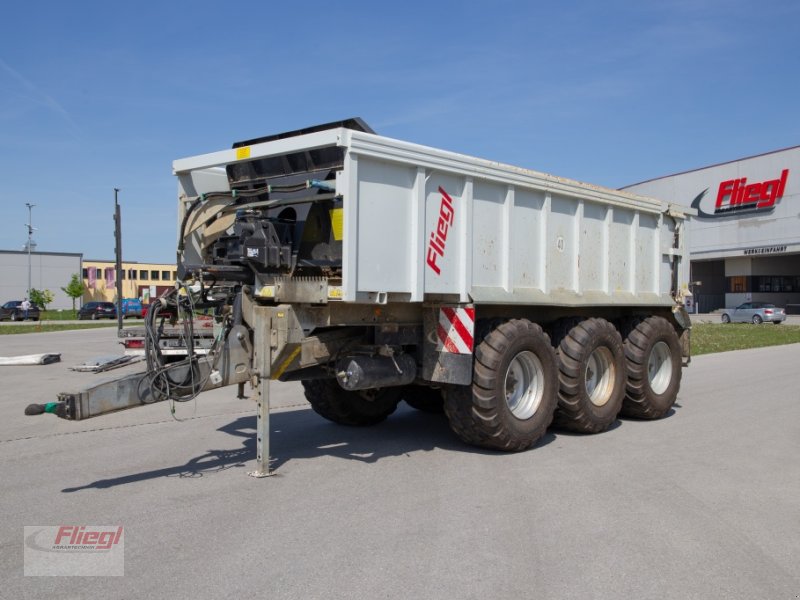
{"x":178,"y":381}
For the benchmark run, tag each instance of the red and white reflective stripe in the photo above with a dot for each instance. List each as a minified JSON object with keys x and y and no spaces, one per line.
{"x":455,"y":330}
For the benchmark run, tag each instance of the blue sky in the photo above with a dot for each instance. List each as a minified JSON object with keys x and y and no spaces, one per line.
{"x":97,"y":95}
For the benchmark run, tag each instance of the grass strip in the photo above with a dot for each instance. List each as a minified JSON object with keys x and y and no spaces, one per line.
{"x":708,"y":338}
{"x":39,"y":328}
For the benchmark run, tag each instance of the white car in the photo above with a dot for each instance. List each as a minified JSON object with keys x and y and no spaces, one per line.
{"x":754,"y":312}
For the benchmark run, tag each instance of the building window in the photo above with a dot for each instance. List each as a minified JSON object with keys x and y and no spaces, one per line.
{"x":86,"y":273}
{"x":131,"y":273}
{"x":165,"y":276}
{"x":737,"y":284}
{"x":143,"y":275}
{"x":776,"y":283}
{"x":154,"y":275}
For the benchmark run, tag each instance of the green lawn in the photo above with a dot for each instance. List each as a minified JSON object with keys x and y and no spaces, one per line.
{"x":59,"y":315}
{"x":708,"y":338}
{"x":39,"y":328}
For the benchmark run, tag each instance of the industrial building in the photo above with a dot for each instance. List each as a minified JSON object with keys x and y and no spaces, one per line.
{"x":48,"y":271}
{"x":745,"y":240}
{"x":53,"y":270}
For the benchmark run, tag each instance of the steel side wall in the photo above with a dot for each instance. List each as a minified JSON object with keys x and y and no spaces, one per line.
{"x":511,"y":240}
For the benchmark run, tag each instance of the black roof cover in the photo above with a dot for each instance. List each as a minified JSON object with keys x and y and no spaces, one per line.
{"x":355,"y":123}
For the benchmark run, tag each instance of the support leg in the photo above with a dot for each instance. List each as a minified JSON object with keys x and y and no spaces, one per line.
{"x":262,"y":361}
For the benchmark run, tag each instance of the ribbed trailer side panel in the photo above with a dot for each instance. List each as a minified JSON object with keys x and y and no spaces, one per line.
{"x":421,"y":222}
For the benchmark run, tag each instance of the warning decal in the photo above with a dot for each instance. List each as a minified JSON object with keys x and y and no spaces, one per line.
{"x":455,"y":330}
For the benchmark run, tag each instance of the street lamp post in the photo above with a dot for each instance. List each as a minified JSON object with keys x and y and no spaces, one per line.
{"x":118,"y":253}
{"x":30,"y":241}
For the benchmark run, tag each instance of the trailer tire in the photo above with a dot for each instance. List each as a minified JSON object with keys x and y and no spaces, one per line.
{"x":357,"y":409}
{"x":653,"y":365}
{"x":591,"y":365}
{"x":510,"y":404}
{"x":424,"y":398}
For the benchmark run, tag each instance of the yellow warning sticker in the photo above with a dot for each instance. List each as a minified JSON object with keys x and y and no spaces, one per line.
{"x":337,"y":223}
{"x":243,"y":152}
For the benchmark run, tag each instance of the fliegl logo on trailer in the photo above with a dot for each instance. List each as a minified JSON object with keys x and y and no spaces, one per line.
{"x":438,"y":240}
{"x":737,"y":197}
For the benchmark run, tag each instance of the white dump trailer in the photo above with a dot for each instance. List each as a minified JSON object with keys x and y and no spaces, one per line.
{"x":375,"y":270}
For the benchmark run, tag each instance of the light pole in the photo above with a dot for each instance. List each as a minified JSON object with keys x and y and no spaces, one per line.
{"x":118,"y":253}
{"x":30,"y":241}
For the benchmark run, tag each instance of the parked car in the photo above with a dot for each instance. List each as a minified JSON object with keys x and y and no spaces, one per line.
{"x":13,"y":310}
{"x":132,"y":307}
{"x":98,"y":310}
{"x":165,"y":312}
{"x":754,"y":312}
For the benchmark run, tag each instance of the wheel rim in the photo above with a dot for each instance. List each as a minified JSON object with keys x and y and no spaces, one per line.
{"x":659,"y":368}
{"x":600,"y":376}
{"x":524,"y":385}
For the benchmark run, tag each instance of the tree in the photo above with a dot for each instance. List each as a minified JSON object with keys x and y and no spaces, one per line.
{"x":41,"y":297}
{"x":74,"y":289}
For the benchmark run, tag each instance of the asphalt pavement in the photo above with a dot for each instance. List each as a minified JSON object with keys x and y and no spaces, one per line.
{"x":702,"y":504}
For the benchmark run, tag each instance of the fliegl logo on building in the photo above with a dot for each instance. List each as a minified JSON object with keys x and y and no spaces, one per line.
{"x":739,"y":197}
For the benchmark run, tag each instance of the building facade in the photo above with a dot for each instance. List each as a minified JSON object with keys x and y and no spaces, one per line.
{"x":139,"y":280}
{"x":745,"y":240}
{"x":48,"y":271}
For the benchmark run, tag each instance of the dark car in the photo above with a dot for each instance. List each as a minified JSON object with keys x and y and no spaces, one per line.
{"x":13,"y":310}
{"x":98,"y":310}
